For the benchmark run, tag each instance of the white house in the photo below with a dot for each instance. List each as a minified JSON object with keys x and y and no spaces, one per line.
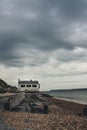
{"x":29,"y":85}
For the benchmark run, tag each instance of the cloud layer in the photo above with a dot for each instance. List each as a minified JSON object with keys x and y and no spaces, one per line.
{"x":45,"y":35}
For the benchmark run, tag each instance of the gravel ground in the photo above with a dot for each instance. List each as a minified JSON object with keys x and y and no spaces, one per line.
{"x":60,"y":117}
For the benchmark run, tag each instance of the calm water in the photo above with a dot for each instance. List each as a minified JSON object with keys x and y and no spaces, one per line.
{"x":79,"y":96}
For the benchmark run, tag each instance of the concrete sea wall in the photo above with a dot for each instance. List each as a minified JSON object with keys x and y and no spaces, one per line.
{"x":9,"y":102}
{"x":2,"y":101}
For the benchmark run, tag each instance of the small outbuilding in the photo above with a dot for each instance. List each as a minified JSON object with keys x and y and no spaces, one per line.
{"x":28,"y":85}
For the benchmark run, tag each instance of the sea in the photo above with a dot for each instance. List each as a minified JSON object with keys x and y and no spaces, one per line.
{"x":75,"y":95}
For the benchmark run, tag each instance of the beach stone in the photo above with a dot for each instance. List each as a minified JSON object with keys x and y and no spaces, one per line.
{"x":45,"y":108}
{"x":28,"y":120}
{"x":27,"y":129}
{"x":2,"y":120}
{"x":85,"y":111}
{"x":10,"y":128}
{"x":5,"y":127}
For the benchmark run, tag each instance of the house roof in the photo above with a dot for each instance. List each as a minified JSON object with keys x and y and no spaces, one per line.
{"x":27,"y":82}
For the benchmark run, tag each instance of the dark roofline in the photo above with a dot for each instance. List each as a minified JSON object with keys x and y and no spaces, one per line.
{"x":27,"y":82}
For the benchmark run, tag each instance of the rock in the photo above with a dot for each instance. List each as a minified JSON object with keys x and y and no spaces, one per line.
{"x":85,"y":111}
{"x":3,"y":126}
{"x":2,"y":120}
{"x":28,"y":120}
{"x":45,"y":109}
{"x":27,"y":129}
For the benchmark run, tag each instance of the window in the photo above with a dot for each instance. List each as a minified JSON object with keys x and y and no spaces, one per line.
{"x":22,"y":85}
{"x":28,"y":85}
{"x":34,"y":85}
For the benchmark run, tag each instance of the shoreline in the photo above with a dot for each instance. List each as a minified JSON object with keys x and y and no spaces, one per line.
{"x":70,"y":100}
{"x":77,"y":96}
{"x":66,"y":99}
{"x":75,"y":107}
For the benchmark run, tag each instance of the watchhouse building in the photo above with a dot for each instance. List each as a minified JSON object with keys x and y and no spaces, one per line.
{"x":30,"y":85}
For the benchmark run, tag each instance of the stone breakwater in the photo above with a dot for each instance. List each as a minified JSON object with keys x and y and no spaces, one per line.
{"x":25,"y":102}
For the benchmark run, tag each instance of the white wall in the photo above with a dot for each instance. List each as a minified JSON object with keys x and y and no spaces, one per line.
{"x":28,"y":88}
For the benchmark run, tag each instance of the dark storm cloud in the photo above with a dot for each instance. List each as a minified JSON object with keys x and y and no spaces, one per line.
{"x":41,"y":24}
{"x":72,"y":9}
{"x":67,"y":55}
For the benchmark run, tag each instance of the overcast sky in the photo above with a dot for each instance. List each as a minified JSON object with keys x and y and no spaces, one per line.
{"x":44,"y":40}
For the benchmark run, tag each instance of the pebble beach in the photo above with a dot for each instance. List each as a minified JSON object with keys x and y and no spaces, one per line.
{"x":62,"y":115}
